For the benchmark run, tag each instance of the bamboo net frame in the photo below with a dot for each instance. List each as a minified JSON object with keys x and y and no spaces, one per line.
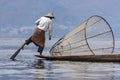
{"x":93,"y":37}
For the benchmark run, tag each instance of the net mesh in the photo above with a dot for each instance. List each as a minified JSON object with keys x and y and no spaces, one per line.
{"x":93,"y":37}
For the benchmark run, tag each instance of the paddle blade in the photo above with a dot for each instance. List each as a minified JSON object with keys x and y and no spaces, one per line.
{"x":16,"y":53}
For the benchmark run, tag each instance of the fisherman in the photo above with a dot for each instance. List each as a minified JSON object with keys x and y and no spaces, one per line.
{"x":43,"y":24}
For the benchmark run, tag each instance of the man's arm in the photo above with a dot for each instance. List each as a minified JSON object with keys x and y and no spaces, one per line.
{"x":50,"y":31}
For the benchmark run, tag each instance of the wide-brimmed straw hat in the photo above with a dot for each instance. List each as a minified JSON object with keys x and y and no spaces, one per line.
{"x":50,"y":15}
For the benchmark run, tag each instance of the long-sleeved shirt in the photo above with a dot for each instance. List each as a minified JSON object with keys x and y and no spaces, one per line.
{"x":45,"y":24}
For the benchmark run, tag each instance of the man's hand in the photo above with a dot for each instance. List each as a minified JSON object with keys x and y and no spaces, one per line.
{"x":49,"y":37}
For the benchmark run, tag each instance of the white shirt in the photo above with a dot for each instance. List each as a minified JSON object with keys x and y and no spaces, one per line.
{"x":45,"y":24}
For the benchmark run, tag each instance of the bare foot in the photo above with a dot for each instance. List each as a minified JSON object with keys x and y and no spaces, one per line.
{"x":41,"y":54}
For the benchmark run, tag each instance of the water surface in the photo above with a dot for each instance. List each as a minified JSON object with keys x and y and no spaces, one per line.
{"x":28,"y":67}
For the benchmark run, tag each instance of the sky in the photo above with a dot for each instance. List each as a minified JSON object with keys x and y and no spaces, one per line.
{"x":17,"y":17}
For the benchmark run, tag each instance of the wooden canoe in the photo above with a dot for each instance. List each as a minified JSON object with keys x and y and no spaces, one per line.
{"x":87,"y":58}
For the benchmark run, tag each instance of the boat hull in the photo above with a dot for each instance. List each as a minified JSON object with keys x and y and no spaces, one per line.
{"x":87,"y":58}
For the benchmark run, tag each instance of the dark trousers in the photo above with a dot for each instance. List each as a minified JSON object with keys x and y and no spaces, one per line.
{"x":40,"y":49}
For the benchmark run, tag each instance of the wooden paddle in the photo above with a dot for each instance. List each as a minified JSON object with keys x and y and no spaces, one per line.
{"x":16,"y":53}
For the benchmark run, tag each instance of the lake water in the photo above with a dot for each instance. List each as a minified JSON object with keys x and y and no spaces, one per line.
{"x":29,"y":67}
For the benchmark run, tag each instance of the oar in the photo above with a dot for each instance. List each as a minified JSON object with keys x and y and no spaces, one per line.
{"x":16,"y":53}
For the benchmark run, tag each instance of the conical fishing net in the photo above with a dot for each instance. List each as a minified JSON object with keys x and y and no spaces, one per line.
{"x":93,"y":37}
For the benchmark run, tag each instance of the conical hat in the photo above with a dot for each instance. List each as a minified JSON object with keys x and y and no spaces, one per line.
{"x":50,"y":15}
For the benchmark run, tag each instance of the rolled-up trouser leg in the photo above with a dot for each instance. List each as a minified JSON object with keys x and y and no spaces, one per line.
{"x":40,"y":50}
{"x":28,"y":41}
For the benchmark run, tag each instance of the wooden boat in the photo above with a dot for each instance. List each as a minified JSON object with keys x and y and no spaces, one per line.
{"x":87,"y":58}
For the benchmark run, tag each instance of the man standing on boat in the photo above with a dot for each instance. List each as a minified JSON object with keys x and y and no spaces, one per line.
{"x":43,"y":24}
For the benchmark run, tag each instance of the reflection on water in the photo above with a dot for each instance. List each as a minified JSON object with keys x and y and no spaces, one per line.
{"x":59,"y":70}
{"x":28,"y":67}
{"x":39,"y":64}
{"x":39,"y":69}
